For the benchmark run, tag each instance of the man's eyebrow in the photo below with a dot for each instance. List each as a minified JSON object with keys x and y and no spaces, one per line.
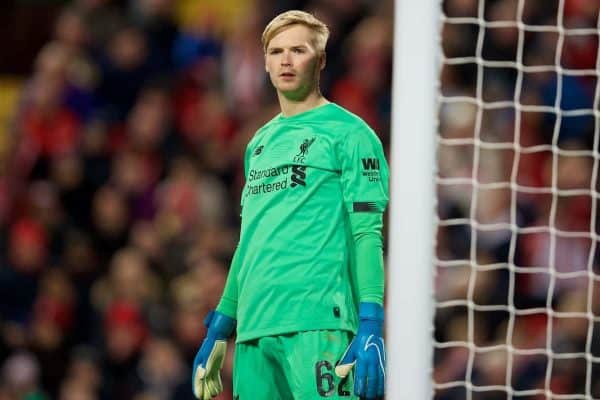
{"x":295,"y":46}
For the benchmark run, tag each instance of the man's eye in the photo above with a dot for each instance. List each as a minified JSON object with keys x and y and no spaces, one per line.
{"x":299,"y":51}
{"x":275,"y":51}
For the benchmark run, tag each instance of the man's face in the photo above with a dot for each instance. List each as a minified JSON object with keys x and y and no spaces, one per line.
{"x":293,"y":63}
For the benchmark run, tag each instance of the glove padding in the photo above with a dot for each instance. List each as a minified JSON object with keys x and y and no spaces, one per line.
{"x":206,"y":373}
{"x":367,"y":352}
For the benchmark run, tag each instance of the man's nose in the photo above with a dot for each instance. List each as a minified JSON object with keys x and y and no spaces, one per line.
{"x":286,"y":60}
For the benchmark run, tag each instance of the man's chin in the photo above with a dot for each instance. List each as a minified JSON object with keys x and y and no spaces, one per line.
{"x":287,"y":87}
{"x":293,"y":93}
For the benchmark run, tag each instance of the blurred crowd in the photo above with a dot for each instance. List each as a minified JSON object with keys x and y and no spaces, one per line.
{"x":518,"y":254}
{"x":121,"y":170}
{"x":120,"y":177}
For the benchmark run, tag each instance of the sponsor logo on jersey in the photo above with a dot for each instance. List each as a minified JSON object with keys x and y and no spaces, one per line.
{"x":298,"y":175}
{"x":370,"y":163}
{"x":301,"y":156}
{"x":259,"y":150}
{"x":279,"y":179}
{"x":370,"y":168}
{"x":256,"y":174}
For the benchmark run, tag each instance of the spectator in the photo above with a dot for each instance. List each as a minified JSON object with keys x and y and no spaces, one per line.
{"x":121,"y":176}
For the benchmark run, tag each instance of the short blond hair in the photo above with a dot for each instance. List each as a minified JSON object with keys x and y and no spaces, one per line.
{"x":293,"y":17}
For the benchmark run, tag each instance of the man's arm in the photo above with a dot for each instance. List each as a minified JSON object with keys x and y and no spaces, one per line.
{"x":368,"y":241}
{"x":366,"y":352}
{"x":364,"y":179}
{"x":220,"y":324}
{"x":229,"y":299}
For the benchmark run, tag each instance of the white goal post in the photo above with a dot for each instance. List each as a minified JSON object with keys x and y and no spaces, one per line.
{"x":410,"y":241}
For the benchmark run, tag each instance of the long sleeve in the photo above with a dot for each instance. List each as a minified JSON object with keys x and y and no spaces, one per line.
{"x":229,"y":299}
{"x":368,"y":241}
{"x":364,"y":180}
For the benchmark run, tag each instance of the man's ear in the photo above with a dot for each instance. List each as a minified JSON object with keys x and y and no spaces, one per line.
{"x":322,"y":60}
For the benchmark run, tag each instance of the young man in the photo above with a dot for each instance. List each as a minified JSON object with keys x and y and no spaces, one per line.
{"x":306,"y":281}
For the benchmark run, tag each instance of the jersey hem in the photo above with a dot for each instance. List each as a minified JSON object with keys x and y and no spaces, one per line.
{"x":281,"y":330}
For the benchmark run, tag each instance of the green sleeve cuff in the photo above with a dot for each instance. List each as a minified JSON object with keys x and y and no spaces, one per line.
{"x":227,"y":307}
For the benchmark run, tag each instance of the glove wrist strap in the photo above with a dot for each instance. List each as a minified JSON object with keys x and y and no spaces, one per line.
{"x":219,"y":324}
{"x":370,"y":311}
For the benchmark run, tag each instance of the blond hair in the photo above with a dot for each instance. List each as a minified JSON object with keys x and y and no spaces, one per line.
{"x":293,"y":17}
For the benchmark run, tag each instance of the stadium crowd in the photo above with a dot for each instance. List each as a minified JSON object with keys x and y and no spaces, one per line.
{"x":519,"y":251}
{"x":121,"y":171}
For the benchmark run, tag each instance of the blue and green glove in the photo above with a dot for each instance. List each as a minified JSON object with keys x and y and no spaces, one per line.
{"x":367,"y":352}
{"x":206,"y":374}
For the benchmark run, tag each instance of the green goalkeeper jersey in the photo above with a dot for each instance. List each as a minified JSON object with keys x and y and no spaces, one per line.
{"x":293,"y":268}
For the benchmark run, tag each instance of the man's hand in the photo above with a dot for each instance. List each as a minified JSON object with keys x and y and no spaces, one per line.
{"x":367,"y":351}
{"x":206,"y":374}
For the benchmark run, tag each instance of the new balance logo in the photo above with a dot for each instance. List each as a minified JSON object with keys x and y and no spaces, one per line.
{"x":298,"y":175}
{"x":370,"y":163}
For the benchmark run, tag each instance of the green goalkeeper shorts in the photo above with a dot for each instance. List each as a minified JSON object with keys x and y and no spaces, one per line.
{"x":298,"y":366}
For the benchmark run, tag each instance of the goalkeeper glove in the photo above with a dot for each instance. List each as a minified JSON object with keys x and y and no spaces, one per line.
{"x":206,"y":374}
{"x":367,"y":351}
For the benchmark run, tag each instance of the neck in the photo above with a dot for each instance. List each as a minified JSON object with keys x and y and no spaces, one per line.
{"x":291,"y":107}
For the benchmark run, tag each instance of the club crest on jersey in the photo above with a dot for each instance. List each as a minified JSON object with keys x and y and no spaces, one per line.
{"x":301,"y":156}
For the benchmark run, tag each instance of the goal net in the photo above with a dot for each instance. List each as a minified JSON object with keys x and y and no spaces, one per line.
{"x":517,"y":282}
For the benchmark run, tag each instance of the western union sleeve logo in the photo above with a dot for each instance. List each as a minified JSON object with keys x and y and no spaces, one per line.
{"x":370,"y":163}
{"x":371,"y":169}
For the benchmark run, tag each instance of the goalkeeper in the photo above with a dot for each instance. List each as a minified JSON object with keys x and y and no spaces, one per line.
{"x":305,"y":287}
